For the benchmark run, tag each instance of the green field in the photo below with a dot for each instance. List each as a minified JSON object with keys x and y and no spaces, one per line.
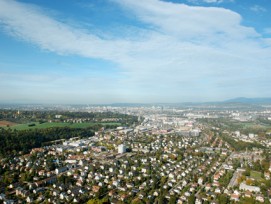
{"x":256,"y":175}
{"x":58,"y":124}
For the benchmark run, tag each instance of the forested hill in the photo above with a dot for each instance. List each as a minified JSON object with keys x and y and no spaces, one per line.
{"x":249,"y":100}
{"x":24,"y":130}
{"x":24,"y":116}
{"x":13,"y":141}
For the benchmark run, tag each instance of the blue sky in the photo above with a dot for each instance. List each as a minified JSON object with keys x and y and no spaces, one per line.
{"x":108,"y":51}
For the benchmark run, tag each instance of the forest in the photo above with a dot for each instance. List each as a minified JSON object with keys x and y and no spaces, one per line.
{"x":45,"y":116}
{"x":240,"y":145}
{"x":13,"y":141}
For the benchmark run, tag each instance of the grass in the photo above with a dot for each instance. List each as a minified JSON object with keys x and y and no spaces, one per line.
{"x":57,"y":124}
{"x":256,"y":175}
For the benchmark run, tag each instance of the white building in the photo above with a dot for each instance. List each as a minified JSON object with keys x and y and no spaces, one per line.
{"x":200,"y":181}
{"x":61,"y":170}
{"x":58,"y":116}
{"x":245,"y":187}
{"x":195,"y":132}
{"x":251,"y":135}
{"x":121,"y":149}
{"x":237,"y":133}
{"x":76,"y":143}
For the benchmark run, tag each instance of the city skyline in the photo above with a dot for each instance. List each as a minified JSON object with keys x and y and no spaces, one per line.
{"x":112,"y":51}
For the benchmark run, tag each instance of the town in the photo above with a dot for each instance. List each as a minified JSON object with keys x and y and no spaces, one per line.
{"x":167,"y":155}
{"x":135,"y":102}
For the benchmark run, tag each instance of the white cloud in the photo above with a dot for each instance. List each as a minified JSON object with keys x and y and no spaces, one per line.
{"x":257,"y":8}
{"x":212,"y":1}
{"x":186,"y":50}
{"x":189,"y":22}
{"x":32,"y":25}
{"x":209,"y":1}
{"x":267,"y":30}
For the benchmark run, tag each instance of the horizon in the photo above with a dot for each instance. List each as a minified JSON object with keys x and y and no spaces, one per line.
{"x":125,"y":51}
{"x":238,"y":100}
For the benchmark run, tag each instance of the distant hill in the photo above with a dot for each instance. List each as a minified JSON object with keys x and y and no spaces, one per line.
{"x":249,"y":100}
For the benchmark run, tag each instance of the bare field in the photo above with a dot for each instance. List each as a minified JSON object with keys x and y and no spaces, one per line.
{"x":4,"y":123}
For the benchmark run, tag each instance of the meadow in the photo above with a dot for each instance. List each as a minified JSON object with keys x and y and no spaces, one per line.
{"x":37,"y":125}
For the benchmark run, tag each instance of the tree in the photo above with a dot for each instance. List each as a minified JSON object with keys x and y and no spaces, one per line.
{"x":191,"y":199}
{"x":162,"y":200}
{"x":223,"y":199}
{"x":248,"y":181}
{"x":98,"y":201}
{"x":137,"y":201}
{"x":247,"y":172}
{"x":172,"y":200}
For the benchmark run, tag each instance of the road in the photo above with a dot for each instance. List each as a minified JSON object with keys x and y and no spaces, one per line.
{"x":204,"y":185}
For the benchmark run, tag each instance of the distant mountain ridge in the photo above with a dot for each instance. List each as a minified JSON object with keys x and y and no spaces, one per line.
{"x":248,"y":100}
{"x":232,"y":102}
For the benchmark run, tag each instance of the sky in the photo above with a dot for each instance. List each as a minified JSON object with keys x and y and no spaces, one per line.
{"x":134,"y":51}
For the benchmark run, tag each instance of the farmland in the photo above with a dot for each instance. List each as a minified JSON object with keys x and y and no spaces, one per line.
{"x":4,"y":123}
